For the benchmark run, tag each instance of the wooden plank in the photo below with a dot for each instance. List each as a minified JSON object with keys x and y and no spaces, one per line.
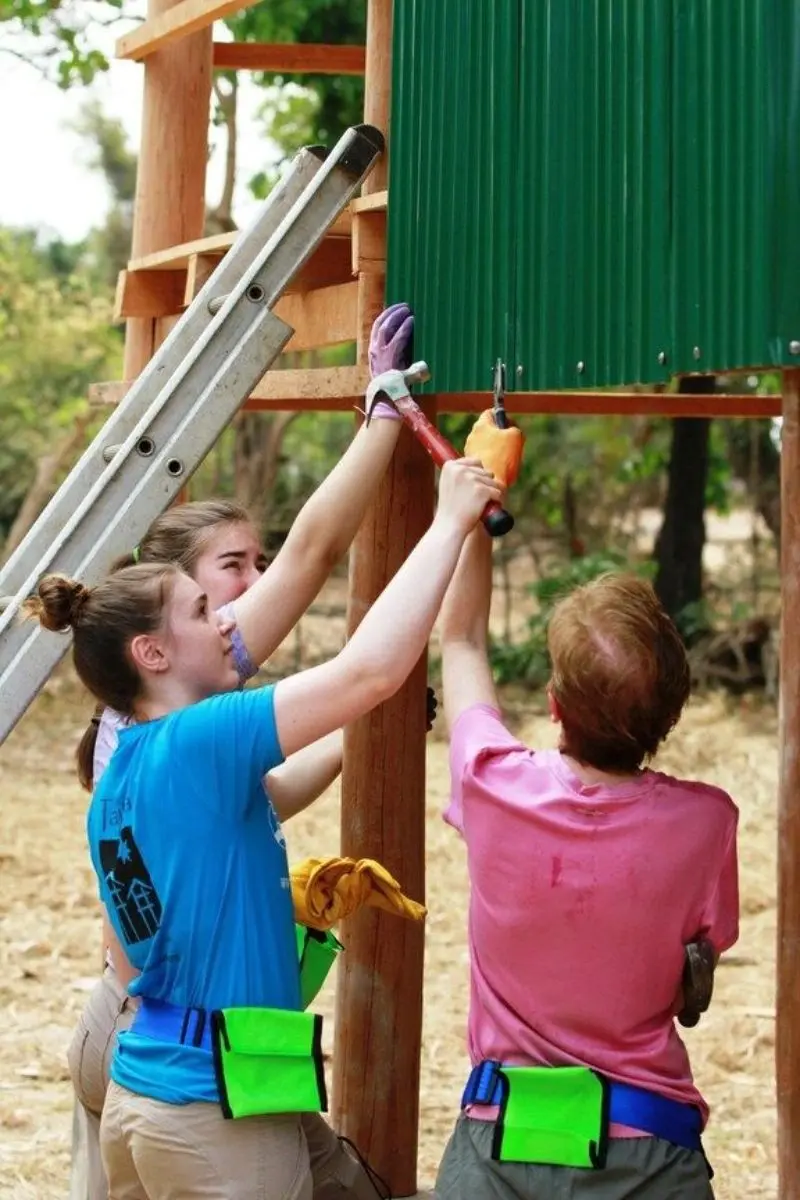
{"x":621,"y":404}
{"x":185,"y":17}
{"x":218,"y":244}
{"x":179,"y":256}
{"x":334,"y":389}
{"x":325,"y":317}
{"x":298,"y":387}
{"x":368,"y":246}
{"x":787,"y":1029}
{"x":297,"y":58}
{"x":149,"y":294}
{"x":374,"y":202}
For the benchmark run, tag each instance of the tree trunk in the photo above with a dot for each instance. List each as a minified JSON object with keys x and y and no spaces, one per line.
{"x":44,"y":483}
{"x":259,"y":438}
{"x":679,"y":545}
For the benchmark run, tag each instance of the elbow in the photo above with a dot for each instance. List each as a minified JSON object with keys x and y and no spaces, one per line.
{"x":368,"y":685}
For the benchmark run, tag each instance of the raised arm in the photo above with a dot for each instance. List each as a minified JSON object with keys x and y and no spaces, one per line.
{"x":464,"y":625}
{"x":390,"y":639}
{"x":303,"y":778}
{"x":328,"y":522}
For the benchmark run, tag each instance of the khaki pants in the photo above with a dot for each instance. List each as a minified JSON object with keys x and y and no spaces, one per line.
{"x":335,"y":1172}
{"x":647,"y":1168}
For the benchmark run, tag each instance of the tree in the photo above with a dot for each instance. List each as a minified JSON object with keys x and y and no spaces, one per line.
{"x":679,"y":545}
{"x":58,"y":37}
{"x":55,"y":339}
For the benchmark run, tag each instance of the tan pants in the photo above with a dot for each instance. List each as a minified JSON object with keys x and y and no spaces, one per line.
{"x":157,"y":1151}
{"x":336,"y":1174}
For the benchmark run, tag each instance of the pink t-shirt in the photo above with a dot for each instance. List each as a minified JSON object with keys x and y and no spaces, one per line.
{"x":582,"y":898}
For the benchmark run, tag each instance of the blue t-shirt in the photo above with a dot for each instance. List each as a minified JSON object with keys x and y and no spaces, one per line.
{"x":192,"y":867}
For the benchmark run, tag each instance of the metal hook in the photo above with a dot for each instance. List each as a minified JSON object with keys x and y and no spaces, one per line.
{"x":499,"y":395}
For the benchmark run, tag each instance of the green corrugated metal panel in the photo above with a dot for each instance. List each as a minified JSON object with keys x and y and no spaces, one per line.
{"x":454,"y":136}
{"x":593,"y":191}
{"x":596,"y":182}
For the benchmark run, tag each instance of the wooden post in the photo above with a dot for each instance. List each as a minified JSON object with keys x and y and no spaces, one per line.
{"x":379,"y":996}
{"x":787,"y":1037}
{"x":170,"y":181}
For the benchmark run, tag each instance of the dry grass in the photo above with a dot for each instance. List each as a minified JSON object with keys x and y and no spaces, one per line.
{"x":50,"y":951}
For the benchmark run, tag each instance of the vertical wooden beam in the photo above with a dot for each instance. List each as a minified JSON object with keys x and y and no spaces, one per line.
{"x":378,"y":85}
{"x":170,"y":181}
{"x":379,"y":995}
{"x":787,"y":1037}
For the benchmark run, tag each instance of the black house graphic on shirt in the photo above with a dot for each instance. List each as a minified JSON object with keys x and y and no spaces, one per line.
{"x":130,"y":887}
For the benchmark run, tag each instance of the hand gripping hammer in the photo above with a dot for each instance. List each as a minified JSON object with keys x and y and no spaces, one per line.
{"x":394,"y":386}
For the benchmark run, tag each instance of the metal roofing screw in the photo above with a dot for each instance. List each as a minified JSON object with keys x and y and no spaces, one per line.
{"x":794,"y":347}
{"x":696,"y":352}
{"x":520,"y":368}
{"x":581,"y":367}
{"x":662,"y":357}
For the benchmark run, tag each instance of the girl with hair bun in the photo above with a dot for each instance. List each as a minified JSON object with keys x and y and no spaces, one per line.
{"x":209,"y":1084}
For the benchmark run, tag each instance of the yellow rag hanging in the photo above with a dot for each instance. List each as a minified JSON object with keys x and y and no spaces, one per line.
{"x":324,"y":890}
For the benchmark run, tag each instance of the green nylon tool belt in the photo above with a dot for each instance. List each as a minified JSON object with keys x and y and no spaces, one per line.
{"x":268,"y":1060}
{"x":317,"y":953}
{"x":555,"y":1116}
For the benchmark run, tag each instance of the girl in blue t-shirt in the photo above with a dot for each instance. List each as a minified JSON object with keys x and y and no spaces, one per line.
{"x":216,"y":542}
{"x":188,"y":850}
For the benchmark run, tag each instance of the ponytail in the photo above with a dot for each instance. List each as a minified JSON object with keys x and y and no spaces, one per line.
{"x":84,"y":755}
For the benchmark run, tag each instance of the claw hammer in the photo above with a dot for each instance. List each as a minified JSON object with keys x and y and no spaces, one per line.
{"x":394,"y":385}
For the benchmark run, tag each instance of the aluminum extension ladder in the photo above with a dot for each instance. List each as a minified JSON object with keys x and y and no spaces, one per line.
{"x":177,"y":408}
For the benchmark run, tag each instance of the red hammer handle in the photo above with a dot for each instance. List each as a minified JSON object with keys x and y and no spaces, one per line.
{"x":497,"y":521}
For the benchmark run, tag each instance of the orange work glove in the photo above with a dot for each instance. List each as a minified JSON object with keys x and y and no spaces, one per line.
{"x":500,"y":450}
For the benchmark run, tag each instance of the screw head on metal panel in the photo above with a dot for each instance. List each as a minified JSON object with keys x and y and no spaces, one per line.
{"x":581,"y":367}
{"x":794,"y":347}
{"x":520,"y":368}
{"x":662,"y":357}
{"x":696,"y":352}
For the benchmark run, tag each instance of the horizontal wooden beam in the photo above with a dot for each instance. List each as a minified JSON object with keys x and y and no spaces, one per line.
{"x":614,"y":404}
{"x":186,"y":17}
{"x":176,"y":257}
{"x":149,"y":294}
{"x":373,"y":202}
{"x":333,"y":389}
{"x":305,"y":388}
{"x":296,"y":58}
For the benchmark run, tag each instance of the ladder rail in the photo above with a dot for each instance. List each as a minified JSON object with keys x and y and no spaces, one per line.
{"x":194,"y":322}
{"x":181,"y":410}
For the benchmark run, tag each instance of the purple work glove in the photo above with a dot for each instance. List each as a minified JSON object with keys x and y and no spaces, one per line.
{"x":390,"y":349}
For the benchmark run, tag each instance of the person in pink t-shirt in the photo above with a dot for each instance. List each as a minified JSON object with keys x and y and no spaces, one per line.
{"x":589,"y":874}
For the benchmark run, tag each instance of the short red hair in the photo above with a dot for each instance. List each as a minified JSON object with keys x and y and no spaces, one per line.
{"x":620,"y":673}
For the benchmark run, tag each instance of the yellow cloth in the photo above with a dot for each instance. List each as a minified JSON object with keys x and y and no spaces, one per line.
{"x":500,"y":450}
{"x":326,"y":889}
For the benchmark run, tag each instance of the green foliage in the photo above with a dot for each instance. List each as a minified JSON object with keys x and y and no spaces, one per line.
{"x":325,"y":105}
{"x":55,"y":340}
{"x":57,"y":35}
{"x":527,"y":661}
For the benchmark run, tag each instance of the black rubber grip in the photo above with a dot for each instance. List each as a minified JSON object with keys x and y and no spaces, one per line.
{"x":497,"y":521}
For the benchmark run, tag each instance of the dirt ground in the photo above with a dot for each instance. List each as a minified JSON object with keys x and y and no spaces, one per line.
{"x":50,"y":933}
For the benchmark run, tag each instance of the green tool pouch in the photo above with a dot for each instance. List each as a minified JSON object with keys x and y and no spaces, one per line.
{"x":555,"y":1116}
{"x":317,"y":953}
{"x":268,"y":1060}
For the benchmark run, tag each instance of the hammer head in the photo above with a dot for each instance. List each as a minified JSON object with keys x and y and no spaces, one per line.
{"x":394,"y":385}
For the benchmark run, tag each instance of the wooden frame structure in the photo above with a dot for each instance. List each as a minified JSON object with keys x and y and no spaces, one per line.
{"x":335,"y":299}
